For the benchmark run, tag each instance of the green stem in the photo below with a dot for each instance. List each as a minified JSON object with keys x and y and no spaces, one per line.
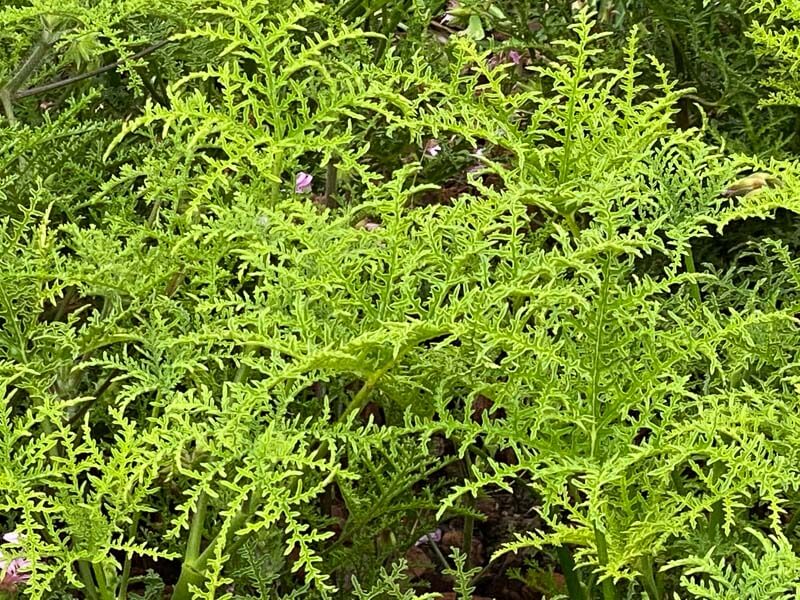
{"x":34,"y":59}
{"x":102,"y":582}
{"x":122,"y":594}
{"x":574,"y":588}
{"x":469,"y":520}
{"x":648,"y":579}
{"x":192,"y":571}
{"x":196,"y":530}
{"x":277,"y":171}
{"x":577,"y":77}
{"x":596,"y":359}
{"x":572,"y":224}
{"x":331,"y":174}
{"x":717,"y":517}
{"x":243,"y":372}
{"x":85,"y":574}
{"x":69,"y":295}
{"x":8,"y":106}
{"x":690,"y":268}
{"x":360,"y":399}
{"x":193,"y":568}
{"x":439,"y":556}
{"x":609,"y":593}
{"x":54,"y":85}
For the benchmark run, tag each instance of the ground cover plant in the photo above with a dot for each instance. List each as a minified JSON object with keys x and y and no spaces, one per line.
{"x":399,"y":300}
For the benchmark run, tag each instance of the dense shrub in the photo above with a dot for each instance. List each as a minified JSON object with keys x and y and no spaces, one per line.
{"x":283,"y":299}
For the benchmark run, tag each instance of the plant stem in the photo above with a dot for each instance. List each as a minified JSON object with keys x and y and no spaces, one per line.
{"x":609,"y":593}
{"x":8,"y":106}
{"x":574,"y":588}
{"x":192,"y":569}
{"x":88,"y":581}
{"x":360,"y":399}
{"x":54,"y":85}
{"x":469,"y":520}
{"x":277,"y":170}
{"x":102,"y":582}
{"x":717,"y":518}
{"x":648,"y":578}
{"x":35,"y":57}
{"x":244,"y":371}
{"x":572,"y":224}
{"x":196,"y":530}
{"x":122,"y":594}
{"x":331,"y":174}
{"x":690,"y":268}
{"x":435,"y":547}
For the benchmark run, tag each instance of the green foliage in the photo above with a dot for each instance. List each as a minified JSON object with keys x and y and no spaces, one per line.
{"x":776,"y":37}
{"x":704,"y":45}
{"x":192,"y":352}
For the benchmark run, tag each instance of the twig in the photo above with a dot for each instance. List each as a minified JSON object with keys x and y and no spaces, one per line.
{"x":36,"y":56}
{"x":442,"y":27}
{"x":54,"y":85}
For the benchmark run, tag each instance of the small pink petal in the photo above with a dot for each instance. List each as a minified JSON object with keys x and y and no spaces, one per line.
{"x":515,"y":57}
{"x":434,"y":536}
{"x":13,"y":577}
{"x":12,"y":537}
{"x":302,"y":182}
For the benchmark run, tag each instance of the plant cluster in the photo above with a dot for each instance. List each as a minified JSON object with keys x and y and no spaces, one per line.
{"x":290,"y":290}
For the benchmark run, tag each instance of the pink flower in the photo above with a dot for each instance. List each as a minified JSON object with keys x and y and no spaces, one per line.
{"x":515,"y":57}
{"x":432,"y":147}
{"x":302,"y":182}
{"x":433,"y":536}
{"x":10,"y":574}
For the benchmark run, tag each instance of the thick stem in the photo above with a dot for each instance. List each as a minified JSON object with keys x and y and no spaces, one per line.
{"x":85,"y":573}
{"x":567,"y":563}
{"x":192,"y":571}
{"x":609,"y":593}
{"x":102,"y":582}
{"x":649,"y":580}
{"x":8,"y":106}
{"x":196,"y":530}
